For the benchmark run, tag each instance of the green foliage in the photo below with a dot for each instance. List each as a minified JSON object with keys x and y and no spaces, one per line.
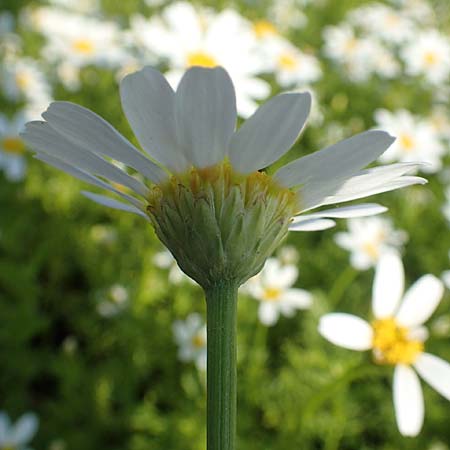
{"x":116,"y":383}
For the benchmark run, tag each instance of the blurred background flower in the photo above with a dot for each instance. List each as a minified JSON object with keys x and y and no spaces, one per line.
{"x":89,"y":303}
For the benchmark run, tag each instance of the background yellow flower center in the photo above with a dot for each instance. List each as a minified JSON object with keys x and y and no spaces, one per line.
{"x":198,"y":341}
{"x":23,"y":79}
{"x":83,"y":46}
{"x":264,"y":28}
{"x":287,"y":61}
{"x":13,"y":145}
{"x":392,"y":344}
{"x":407,"y":142}
{"x":430,"y":58}
{"x":271,"y":294}
{"x":201,"y":59}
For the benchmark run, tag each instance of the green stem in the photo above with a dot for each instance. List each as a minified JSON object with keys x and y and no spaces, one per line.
{"x":221,"y":304}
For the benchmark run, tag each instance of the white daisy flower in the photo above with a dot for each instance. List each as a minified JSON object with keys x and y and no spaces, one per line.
{"x":369,"y":238}
{"x":288,"y":254}
{"x":165,"y":260}
{"x":272,"y":287}
{"x":189,"y":37}
{"x":12,"y":148}
{"x":343,"y":47}
{"x":192,"y":134}
{"x":23,"y":78}
{"x":396,"y":337}
{"x":190,"y":336}
{"x":418,"y":10}
{"x":17,"y":436}
{"x":416,"y":139}
{"x":290,"y":65}
{"x":428,"y":54}
{"x":384,"y":22}
{"x":439,"y":121}
{"x":288,"y":15}
{"x":77,"y":39}
{"x":117,"y":299}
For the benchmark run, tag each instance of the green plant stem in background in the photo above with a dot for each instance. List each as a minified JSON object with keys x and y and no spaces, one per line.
{"x":221,"y":302}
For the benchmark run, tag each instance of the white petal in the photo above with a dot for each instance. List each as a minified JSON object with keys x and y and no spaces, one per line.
{"x":270,"y":132}
{"x":268,"y":313}
{"x":419,"y":333}
{"x":312,"y":225}
{"x":86,"y":177}
{"x":435,"y":371}
{"x":149,"y":104}
{"x":205,"y":115}
{"x":420,"y":301}
{"x":346,"y":212}
{"x":91,"y":132}
{"x":337,"y":162}
{"x":297,"y":298}
{"x":114,"y":204}
{"x":363,"y":184}
{"x":408,"y":401}
{"x":24,"y":429}
{"x":42,"y":138}
{"x":388,"y":285}
{"x":278,"y":276}
{"x":346,"y":331}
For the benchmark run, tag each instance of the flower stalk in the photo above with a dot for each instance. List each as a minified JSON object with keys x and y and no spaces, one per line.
{"x":221,"y":300}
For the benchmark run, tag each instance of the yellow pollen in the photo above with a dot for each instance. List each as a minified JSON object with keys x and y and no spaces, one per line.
{"x":254,"y":186}
{"x":406,"y":142}
{"x":287,"y":61}
{"x":13,"y":145}
{"x":83,"y":46}
{"x":272,"y":294}
{"x":198,"y":341}
{"x":392,"y":344}
{"x":263,"y":28}
{"x":201,"y":59}
{"x":430,"y":58}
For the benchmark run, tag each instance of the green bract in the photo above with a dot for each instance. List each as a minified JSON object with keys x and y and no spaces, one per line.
{"x":220,"y":225}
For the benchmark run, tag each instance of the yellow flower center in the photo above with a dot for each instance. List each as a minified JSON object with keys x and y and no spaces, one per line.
{"x":201,"y":59}
{"x":272,"y":294}
{"x":9,"y":447}
{"x":263,"y":28}
{"x":83,"y":46}
{"x":392,"y":344}
{"x":198,"y":341}
{"x":350,"y":45}
{"x":430,"y":58}
{"x":22,"y":79}
{"x":13,"y":145}
{"x":371,"y":249}
{"x":406,"y":142}
{"x":287,"y":61}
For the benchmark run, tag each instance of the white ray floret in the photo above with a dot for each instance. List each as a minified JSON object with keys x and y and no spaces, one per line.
{"x":396,"y":337}
{"x":195,"y":127}
{"x":272,"y":287}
